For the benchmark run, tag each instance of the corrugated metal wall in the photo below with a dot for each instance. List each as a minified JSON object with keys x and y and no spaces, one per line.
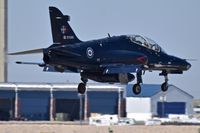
{"x":6,"y":108}
{"x":7,"y":94}
{"x":34,"y":105}
{"x":7,"y":104}
{"x":103,"y":102}
{"x":166,"y":108}
{"x":67,"y":103}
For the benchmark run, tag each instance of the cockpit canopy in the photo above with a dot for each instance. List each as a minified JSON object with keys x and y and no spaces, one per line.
{"x":145,"y":42}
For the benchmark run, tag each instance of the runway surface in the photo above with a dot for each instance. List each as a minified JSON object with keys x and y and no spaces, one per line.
{"x":65,"y":127}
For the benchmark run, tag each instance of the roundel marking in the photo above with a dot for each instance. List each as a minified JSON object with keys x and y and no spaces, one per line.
{"x":90,"y":52}
{"x":63,"y":29}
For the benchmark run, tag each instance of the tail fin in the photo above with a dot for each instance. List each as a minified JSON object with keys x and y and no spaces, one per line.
{"x":61,"y":30}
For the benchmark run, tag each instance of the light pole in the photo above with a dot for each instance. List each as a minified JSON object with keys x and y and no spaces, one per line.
{"x":81,"y":107}
{"x":163,"y":99}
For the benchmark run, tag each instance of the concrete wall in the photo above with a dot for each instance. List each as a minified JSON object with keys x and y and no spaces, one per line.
{"x":3,"y":39}
{"x":138,"y":105}
{"x":138,"y":108}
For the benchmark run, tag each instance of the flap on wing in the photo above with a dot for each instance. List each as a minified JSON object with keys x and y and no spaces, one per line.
{"x":114,"y":68}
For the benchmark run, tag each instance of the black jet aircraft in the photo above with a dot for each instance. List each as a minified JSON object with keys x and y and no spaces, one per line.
{"x":109,"y":60}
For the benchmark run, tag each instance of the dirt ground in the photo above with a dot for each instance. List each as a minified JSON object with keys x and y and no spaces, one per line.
{"x":65,"y":128}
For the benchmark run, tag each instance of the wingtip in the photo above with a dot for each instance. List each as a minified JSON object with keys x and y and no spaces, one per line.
{"x":9,"y":53}
{"x":18,"y":62}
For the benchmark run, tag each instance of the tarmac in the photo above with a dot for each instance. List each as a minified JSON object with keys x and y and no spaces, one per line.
{"x":67,"y":127}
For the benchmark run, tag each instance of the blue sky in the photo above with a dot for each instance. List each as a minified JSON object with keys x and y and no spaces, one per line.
{"x":174,"y":25}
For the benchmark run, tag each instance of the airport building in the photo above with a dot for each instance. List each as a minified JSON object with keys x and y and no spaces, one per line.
{"x":52,"y":101}
{"x":153,"y":102}
{"x":61,"y":101}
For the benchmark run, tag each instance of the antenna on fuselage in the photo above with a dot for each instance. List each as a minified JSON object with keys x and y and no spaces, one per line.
{"x":109,"y":35}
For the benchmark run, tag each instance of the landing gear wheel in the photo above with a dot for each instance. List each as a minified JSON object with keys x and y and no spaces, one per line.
{"x":136,"y":89}
{"x":81,"y":88}
{"x":164,"y":86}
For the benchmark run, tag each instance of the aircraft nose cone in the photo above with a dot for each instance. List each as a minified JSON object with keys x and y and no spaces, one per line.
{"x":182,"y":63}
{"x":188,"y":65}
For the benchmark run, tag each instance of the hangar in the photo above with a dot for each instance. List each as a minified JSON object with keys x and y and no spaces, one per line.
{"x":49,"y":101}
{"x":153,"y":102}
{"x":62,"y":102}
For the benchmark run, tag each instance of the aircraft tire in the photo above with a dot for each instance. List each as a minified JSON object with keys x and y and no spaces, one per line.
{"x":136,"y":89}
{"x":81,"y":88}
{"x":164,"y":86}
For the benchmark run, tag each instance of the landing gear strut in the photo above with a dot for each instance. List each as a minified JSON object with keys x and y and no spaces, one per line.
{"x":164,"y":86}
{"x":136,"y":87}
{"x":82,"y":86}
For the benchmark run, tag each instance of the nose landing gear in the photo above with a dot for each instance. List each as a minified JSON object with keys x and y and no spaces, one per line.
{"x":164,"y":86}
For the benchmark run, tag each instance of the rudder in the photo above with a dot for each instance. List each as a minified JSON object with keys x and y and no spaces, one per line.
{"x":62,"y":33}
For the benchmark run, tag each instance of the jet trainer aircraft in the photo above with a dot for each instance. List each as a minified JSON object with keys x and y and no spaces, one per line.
{"x":110,"y":60}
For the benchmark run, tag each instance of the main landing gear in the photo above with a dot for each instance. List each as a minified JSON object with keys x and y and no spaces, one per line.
{"x":82,"y":86}
{"x":136,"y":87}
{"x":164,"y":86}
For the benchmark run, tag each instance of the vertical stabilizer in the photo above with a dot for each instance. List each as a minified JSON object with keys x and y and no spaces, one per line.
{"x":62,"y":33}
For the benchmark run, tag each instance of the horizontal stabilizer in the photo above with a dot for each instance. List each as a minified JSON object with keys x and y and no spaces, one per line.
{"x":31,"y":63}
{"x":34,"y":51}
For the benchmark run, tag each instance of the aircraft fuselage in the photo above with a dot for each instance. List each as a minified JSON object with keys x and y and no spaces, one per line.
{"x":115,"y":50}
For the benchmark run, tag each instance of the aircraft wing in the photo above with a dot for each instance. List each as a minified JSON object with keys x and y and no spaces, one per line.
{"x":34,"y":51}
{"x":120,"y":68}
